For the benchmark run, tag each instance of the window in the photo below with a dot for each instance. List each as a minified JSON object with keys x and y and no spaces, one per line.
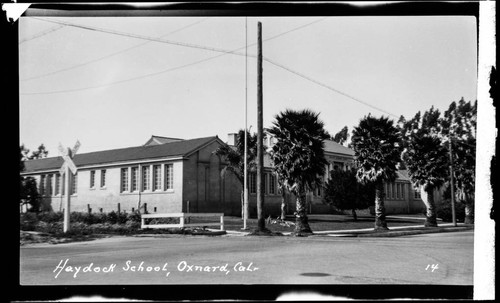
{"x":74,"y":185}
{"x":135,"y":179}
{"x":146,"y":175}
{"x":92,"y":179}
{"x":169,"y":176}
{"x":403,"y":186}
{"x":266,"y":179}
{"x":124,"y":179}
{"x":156,"y":177}
{"x":57,"y":185}
{"x":42,"y":185}
{"x":49,"y":185}
{"x":318,"y":191}
{"x":416,"y":193}
{"x":103,"y":178}
{"x":253,"y":183}
{"x":398,"y":189}
{"x":389,"y":191}
{"x":272,"y":184}
{"x":338,"y":165}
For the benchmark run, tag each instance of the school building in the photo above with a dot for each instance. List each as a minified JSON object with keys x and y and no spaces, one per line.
{"x":167,"y":175}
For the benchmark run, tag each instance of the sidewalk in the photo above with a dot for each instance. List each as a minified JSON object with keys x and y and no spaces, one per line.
{"x":395,"y":231}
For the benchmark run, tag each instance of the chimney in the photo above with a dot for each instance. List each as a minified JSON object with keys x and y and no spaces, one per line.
{"x":231,"y":139}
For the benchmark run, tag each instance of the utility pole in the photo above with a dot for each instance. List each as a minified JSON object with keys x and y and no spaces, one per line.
{"x":245,"y":161}
{"x":260,"y":148}
{"x":452,"y":186}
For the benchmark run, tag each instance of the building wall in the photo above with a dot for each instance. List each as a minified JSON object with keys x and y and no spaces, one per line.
{"x":106,"y":198}
{"x":205,"y":189}
{"x":408,"y":201}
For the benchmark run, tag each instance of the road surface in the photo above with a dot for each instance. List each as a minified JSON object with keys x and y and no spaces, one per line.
{"x":440,"y":258}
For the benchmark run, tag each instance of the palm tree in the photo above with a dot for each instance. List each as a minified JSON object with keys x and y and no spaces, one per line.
{"x":298,"y":157}
{"x":235,"y":157}
{"x":426,"y":157}
{"x":376,"y":149}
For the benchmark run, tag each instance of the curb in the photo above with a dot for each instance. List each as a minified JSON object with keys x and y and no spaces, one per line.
{"x":398,"y":233}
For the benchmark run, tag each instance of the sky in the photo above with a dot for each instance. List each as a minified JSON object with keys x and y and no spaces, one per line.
{"x":113,"y":82}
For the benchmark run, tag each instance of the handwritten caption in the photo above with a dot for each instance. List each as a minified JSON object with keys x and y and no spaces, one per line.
{"x":64,"y":267}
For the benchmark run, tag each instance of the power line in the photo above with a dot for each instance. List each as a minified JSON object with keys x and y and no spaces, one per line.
{"x":327,"y":86}
{"x":143,"y":37}
{"x":222,"y":51}
{"x":43,"y":33}
{"x":110,"y":55}
{"x":150,"y":39}
{"x":225,"y":52}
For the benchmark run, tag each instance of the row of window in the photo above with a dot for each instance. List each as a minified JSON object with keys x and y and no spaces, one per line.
{"x":53,"y":185}
{"x":156,"y":177}
{"x":270,"y":185}
{"x":397,"y":191}
{"x":92,"y":179}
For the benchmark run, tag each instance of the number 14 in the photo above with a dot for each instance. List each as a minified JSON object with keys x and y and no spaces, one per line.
{"x":432,"y":266}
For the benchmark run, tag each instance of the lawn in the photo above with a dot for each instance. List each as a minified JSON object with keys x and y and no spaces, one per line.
{"x":326,"y":222}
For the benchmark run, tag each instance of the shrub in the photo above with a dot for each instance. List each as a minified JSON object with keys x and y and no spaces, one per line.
{"x":50,"y":216}
{"x":444,"y":211}
{"x":116,"y":218}
{"x":28,"y":221}
{"x":78,"y":217}
{"x":132,"y":225}
{"x":134,"y":217}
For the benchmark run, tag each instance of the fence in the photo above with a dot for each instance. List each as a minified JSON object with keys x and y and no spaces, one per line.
{"x":182,"y":217}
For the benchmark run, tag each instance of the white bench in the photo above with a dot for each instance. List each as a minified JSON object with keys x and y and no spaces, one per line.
{"x":182,"y":217}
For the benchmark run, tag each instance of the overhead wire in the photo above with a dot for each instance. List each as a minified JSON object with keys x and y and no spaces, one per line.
{"x":223,"y":52}
{"x":42,"y":33}
{"x":191,"y":45}
{"x":112,"y":54}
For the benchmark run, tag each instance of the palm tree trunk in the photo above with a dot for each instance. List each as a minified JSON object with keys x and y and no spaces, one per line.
{"x":430,"y":220}
{"x":302,"y":225}
{"x":469,"y":211}
{"x":283,"y":205}
{"x":380,"y":223}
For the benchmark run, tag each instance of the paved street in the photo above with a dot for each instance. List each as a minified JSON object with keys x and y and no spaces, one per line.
{"x":440,"y":258}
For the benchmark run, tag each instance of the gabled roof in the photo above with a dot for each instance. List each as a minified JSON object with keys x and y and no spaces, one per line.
{"x":334,"y":147}
{"x":403,"y":175}
{"x":155,"y":140}
{"x":173,"y":149}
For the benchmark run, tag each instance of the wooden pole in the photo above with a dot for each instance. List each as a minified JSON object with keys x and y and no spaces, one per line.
{"x":452,"y":187}
{"x":66,"y":224}
{"x":245,"y":160}
{"x":261,"y":223}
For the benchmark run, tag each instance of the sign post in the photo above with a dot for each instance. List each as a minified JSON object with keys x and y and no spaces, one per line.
{"x":68,"y":165}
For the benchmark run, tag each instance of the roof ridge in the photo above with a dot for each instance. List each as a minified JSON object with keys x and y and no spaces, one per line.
{"x":181,"y":148}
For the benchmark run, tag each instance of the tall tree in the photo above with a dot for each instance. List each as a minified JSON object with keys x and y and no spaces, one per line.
{"x":298,"y":157}
{"x":344,"y":191}
{"x":28,"y":191}
{"x":426,"y":157}
{"x":235,"y":157}
{"x":459,"y":125}
{"x":342,"y":136}
{"x":376,"y":148}
{"x":40,"y":153}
